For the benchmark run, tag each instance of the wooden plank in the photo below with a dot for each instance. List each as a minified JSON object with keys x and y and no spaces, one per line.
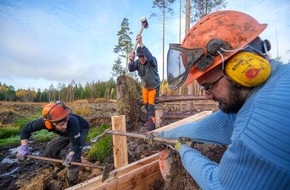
{"x":120,"y":149}
{"x":139,"y":179}
{"x":134,"y":165}
{"x":181,"y":98}
{"x":192,"y":118}
{"x":137,"y":175}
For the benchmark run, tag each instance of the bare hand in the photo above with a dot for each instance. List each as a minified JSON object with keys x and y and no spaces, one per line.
{"x":132,"y":57}
{"x":139,"y":39}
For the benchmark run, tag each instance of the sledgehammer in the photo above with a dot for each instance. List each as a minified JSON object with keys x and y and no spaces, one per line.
{"x":144,"y":24}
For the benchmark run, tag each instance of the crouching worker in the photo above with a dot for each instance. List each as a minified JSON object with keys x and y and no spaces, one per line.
{"x":71,"y":129}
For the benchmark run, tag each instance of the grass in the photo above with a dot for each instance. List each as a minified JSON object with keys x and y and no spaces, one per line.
{"x":7,"y":132}
{"x":22,"y":121}
{"x":10,"y":134}
{"x":10,"y":141}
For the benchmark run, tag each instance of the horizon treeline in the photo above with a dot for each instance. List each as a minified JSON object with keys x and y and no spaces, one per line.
{"x":67,"y":93}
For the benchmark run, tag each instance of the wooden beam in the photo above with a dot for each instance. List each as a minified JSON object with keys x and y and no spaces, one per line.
{"x":139,"y":175}
{"x":192,"y":118}
{"x":180,"y":98}
{"x":175,"y":116}
{"x":120,"y":149}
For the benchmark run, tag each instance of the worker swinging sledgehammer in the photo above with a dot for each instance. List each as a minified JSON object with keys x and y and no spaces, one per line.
{"x":147,"y":68}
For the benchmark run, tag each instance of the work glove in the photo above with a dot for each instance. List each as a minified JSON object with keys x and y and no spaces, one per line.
{"x":68,"y":159}
{"x":23,"y":152}
{"x":178,"y":144}
{"x":151,"y":134}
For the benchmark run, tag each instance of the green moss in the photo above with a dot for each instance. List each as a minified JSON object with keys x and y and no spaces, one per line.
{"x":22,"y":121}
{"x":102,"y":148}
{"x":95,"y":131}
{"x":43,"y":135}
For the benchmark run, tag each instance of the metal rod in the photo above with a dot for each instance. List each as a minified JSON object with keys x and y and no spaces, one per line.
{"x":156,"y":139}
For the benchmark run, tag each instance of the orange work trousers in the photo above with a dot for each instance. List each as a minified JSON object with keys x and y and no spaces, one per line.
{"x":149,"y":101}
{"x":148,"y":96}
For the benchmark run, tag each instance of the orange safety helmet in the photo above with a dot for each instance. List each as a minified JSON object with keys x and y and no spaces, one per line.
{"x":53,"y":113}
{"x":203,"y":45}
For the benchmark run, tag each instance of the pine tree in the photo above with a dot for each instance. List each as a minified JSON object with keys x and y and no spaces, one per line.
{"x":124,"y":43}
{"x":117,"y":68}
{"x":164,"y":7}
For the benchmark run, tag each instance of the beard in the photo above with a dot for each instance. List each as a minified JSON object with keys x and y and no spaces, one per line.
{"x":234,"y":103}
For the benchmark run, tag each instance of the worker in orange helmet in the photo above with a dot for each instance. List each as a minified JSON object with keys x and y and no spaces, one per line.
{"x":225,"y":55}
{"x":71,"y":129}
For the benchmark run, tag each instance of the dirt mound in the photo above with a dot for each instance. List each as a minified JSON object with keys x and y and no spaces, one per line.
{"x":128,"y":92}
{"x":8,"y":117}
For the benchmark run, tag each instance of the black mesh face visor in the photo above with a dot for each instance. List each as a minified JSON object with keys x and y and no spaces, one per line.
{"x":179,"y":62}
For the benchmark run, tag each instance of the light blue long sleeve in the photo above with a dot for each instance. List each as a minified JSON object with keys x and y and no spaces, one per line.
{"x":215,"y":128}
{"x":258,"y":155}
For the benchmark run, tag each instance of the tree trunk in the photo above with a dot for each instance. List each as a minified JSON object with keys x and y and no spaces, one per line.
{"x":190,"y":87}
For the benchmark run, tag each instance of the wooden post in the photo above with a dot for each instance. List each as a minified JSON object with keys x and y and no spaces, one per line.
{"x":158,"y":115}
{"x":120,"y":150}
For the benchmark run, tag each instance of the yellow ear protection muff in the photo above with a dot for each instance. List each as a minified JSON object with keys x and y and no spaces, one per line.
{"x":46,"y":113}
{"x":247,"y":69}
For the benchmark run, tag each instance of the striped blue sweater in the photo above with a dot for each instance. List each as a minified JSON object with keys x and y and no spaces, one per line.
{"x":258,"y":139}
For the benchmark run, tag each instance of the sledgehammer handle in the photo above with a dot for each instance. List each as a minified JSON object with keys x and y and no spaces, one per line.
{"x":60,"y":161}
{"x":144,"y":25}
{"x":136,"y":43}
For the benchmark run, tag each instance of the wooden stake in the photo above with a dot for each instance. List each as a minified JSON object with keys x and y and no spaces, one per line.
{"x":120,"y":149}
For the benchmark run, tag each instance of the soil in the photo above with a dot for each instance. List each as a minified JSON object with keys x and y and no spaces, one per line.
{"x":32,"y":174}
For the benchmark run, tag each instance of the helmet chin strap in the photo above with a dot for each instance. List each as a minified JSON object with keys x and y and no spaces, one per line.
{"x":223,"y":60}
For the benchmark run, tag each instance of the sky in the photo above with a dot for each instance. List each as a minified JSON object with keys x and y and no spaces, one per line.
{"x":44,"y":42}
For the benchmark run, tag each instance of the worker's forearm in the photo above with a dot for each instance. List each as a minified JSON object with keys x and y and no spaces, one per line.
{"x":141,"y":44}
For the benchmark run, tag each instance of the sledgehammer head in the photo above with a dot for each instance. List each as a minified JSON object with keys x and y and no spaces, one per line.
{"x":144,"y":22}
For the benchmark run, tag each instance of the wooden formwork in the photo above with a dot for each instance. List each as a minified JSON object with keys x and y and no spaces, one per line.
{"x":139,"y":175}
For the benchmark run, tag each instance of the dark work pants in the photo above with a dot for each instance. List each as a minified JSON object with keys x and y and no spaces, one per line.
{"x":54,"y":149}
